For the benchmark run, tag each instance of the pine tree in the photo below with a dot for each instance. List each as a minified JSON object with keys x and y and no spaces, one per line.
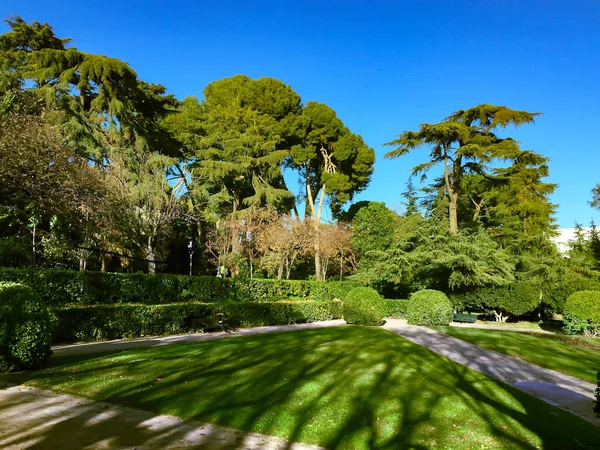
{"x":463,"y":143}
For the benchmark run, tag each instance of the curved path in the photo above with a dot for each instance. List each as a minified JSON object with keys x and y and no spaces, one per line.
{"x":566,"y":392}
{"x":37,"y":419}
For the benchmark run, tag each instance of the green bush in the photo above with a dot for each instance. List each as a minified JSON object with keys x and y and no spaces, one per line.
{"x":60,"y":288}
{"x":582,"y":313}
{"x":25,"y":328}
{"x":557,"y":294}
{"x":514,"y":299}
{"x":395,"y":309}
{"x":429,"y":307}
{"x":104,"y":322}
{"x":363,"y":306}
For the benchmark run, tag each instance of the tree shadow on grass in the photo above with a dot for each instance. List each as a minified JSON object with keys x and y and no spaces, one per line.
{"x":338,"y":388}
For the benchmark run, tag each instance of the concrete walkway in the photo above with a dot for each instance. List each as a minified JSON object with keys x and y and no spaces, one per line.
{"x":124,"y":344}
{"x":36,"y":419}
{"x":566,"y":392}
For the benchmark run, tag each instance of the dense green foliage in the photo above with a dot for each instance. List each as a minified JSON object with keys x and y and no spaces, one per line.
{"x":25,"y":328}
{"x":429,"y":307}
{"x":104,"y":170}
{"x":345,"y":387}
{"x":582,"y":313}
{"x":363,"y":306}
{"x":102,"y":322}
{"x":514,"y":299}
{"x":567,"y":354}
{"x":557,"y":294}
{"x":63,"y":287}
{"x":395,"y":309}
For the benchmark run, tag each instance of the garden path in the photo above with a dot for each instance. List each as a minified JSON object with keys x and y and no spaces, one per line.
{"x":126,"y":344}
{"x":38,"y":419}
{"x":566,"y":392}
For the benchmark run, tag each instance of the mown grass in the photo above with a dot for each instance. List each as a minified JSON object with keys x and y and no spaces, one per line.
{"x":350,"y":387}
{"x":572,"y":355}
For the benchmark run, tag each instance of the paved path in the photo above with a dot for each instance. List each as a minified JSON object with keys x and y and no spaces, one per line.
{"x":568,"y":393}
{"x":42,"y":420}
{"x":122,"y":344}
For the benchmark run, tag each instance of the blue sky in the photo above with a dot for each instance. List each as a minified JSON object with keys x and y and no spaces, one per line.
{"x":384,"y":66}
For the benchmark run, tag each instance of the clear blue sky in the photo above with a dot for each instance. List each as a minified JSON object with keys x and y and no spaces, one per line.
{"x":384,"y":66}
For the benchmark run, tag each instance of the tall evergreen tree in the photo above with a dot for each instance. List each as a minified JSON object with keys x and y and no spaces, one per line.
{"x":463,"y":143}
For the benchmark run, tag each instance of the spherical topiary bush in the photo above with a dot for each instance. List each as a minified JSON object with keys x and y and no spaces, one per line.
{"x":582,"y":313}
{"x":25,"y":328}
{"x":429,"y":307}
{"x":363,"y":306}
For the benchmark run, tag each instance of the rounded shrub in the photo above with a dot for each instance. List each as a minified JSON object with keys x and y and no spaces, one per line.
{"x":363,"y":306}
{"x":582,"y":313}
{"x":25,"y":328}
{"x":429,"y":307}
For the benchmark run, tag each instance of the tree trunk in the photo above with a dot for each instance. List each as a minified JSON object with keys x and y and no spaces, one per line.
{"x":236,"y":246}
{"x":280,"y":268}
{"x":104,"y":260}
{"x":316,"y":220}
{"x":150,"y":253}
{"x":453,"y":213}
{"x":34,"y":243}
{"x":452,"y":197}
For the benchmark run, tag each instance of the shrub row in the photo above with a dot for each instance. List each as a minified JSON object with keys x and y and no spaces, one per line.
{"x":25,"y":328}
{"x":582,"y":313}
{"x":103,"y":322}
{"x":395,"y":309}
{"x":60,"y":288}
{"x":558,"y":293}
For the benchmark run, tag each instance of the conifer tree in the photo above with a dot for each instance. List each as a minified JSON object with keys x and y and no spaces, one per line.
{"x":463,"y":143}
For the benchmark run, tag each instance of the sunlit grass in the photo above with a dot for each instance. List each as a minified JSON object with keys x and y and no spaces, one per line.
{"x":575,"y":356}
{"x":350,"y":387}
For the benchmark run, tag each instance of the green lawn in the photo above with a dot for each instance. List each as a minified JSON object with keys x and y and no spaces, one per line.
{"x":350,"y":387}
{"x":573,"y":355}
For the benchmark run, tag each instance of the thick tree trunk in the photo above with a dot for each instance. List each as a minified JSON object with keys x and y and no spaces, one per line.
{"x":452,"y":197}
{"x":151,"y":256}
{"x":453,"y":214}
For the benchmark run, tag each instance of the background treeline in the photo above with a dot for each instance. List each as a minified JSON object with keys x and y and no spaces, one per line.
{"x":102,"y":171}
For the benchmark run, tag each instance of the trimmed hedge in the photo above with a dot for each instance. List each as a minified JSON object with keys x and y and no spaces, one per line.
{"x":429,"y":307}
{"x":25,"y":328}
{"x":557,"y":294}
{"x":395,"y":309}
{"x":515,"y":299}
{"x":363,"y":306}
{"x":104,"y":322}
{"x":582,"y":313}
{"x":60,"y":288}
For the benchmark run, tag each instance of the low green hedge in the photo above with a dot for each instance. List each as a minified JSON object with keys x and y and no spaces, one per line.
{"x":395,"y":309}
{"x":104,"y":322}
{"x":429,"y":307}
{"x":582,"y":313}
{"x":363,"y":306}
{"x":557,"y":294}
{"x":25,"y":328}
{"x":60,"y":288}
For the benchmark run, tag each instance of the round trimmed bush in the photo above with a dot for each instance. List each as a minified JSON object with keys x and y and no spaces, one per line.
{"x":363,"y":306}
{"x":25,"y":328}
{"x":429,"y":307}
{"x":582,"y":313}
